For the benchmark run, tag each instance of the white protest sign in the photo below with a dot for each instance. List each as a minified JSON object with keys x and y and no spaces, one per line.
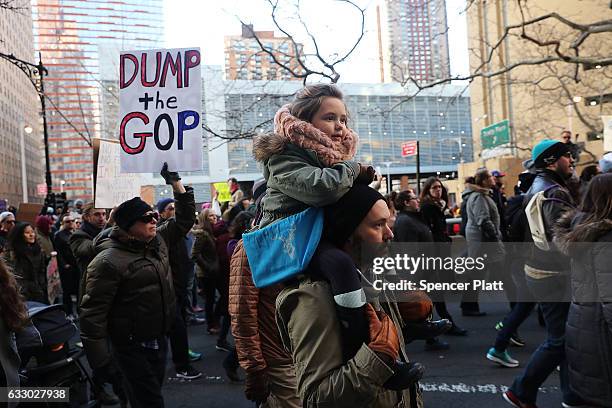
{"x":160,"y":100}
{"x":112,"y":186}
{"x":607,"y":134}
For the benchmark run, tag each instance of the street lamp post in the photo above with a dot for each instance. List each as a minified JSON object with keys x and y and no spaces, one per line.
{"x":36,"y":74}
{"x":388,"y":164}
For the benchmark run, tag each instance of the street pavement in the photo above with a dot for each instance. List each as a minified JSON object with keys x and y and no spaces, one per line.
{"x":459,"y":377}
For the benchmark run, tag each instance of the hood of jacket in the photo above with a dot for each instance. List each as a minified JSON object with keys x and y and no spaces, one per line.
{"x":568,"y":230}
{"x":473,"y":188}
{"x":290,"y":130}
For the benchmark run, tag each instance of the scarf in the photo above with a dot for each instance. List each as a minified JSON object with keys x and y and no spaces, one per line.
{"x":306,"y":136}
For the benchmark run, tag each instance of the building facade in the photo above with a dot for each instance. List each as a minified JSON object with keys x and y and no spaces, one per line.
{"x":19,"y":108}
{"x":417,"y":40}
{"x":539,"y":100}
{"x":244,"y":58}
{"x":80,"y":44}
{"x":383,"y":115}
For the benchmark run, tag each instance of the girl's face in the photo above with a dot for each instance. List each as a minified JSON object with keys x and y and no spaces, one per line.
{"x":29,"y":235}
{"x":436,"y":190}
{"x":212,"y":218}
{"x":331,"y":118}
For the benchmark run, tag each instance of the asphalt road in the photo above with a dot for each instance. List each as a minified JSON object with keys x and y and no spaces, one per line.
{"x":459,"y":377}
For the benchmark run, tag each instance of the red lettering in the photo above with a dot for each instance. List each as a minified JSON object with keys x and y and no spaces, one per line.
{"x":143,"y":70}
{"x":175,"y":67}
{"x":142,"y":135}
{"x":192,"y":59}
{"x":122,"y":83}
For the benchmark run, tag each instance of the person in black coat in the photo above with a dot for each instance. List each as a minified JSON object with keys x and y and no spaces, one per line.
{"x":67,"y":263}
{"x":432,"y":209}
{"x":410,"y":226}
{"x":586,"y":236}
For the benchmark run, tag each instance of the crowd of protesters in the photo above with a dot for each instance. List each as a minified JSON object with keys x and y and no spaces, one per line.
{"x":134,"y":279}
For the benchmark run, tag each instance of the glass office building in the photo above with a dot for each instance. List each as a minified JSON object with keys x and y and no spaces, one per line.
{"x":80,"y":43}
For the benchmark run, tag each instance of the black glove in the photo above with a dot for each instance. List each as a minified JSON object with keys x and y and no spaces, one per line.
{"x":257,"y":386}
{"x":169,"y":176}
{"x":406,"y":374}
{"x":366,"y":174}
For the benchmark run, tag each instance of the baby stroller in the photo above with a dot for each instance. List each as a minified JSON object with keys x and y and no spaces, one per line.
{"x":46,"y":357}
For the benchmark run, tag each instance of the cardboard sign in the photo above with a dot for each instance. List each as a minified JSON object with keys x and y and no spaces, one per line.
{"x":28,"y":212}
{"x":224,"y":192}
{"x":160,"y":101}
{"x":112,"y":186}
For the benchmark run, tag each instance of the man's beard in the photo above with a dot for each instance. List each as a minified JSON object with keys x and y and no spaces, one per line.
{"x":363,"y":253}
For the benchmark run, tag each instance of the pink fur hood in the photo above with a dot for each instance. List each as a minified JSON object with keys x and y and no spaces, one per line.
{"x":289,"y":129}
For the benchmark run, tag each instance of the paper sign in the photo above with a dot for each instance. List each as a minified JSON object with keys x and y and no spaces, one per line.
{"x":607,"y":134}
{"x":409,"y":148}
{"x":112,"y":186}
{"x":160,"y":101}
{"x":224,"y":192}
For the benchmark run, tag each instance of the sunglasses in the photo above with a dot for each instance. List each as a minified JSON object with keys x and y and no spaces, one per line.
{"x":147,"y":218}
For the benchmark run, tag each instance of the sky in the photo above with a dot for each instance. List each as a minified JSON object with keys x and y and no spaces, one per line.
{"x":204,"y":23}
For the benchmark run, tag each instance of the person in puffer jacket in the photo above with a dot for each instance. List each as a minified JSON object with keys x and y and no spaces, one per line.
{"x":129,"y":296}
{"x":586,"y":236}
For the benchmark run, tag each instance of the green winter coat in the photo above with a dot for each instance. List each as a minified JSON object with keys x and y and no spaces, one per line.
{"x":297,"y":179}
{"x":310,"y":330}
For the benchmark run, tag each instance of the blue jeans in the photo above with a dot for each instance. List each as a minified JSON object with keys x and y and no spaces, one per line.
{"x":551,"y":353}
{"x":512,"y":321}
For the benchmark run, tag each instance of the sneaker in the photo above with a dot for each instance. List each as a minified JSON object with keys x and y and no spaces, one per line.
{"x":573,"y":405}
{"x":188,"y":373}
{"x":194,"y":356}
{"x":513,"y":400}
{"x":502,"y":358}
{"x":223,"y":345}
{"x":516,"y":340}
{"x":105,"y":397}
{"x":456,"y":331}
{"x":195,"y":321}
{"x":436,"y":345}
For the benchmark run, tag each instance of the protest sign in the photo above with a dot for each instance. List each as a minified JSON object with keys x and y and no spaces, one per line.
{"x":224,"y":192}
{"x":160,"y":100}
{"x":112,"y":186}
{"x":607,"y":134}
{"x":27,"y":212}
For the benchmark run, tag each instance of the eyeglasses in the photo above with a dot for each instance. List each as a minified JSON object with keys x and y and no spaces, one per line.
{"x":147,"y":218}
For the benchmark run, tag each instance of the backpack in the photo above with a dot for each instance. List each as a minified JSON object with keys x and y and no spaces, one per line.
{"x":533,"y":212}
{"x":282,"y":250}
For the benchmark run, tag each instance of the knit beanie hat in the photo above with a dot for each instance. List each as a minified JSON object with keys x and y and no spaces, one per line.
{"x":5,"y":215}
{"x":547,"y":152}
{"x":605,"y":164}
{"x":343,"y":217}
{"x":129,"y":211}
{"x":163,"y":203}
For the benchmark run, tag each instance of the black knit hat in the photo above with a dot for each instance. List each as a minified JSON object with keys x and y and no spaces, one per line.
{"x":343,"y":217}
{"x":129,"y":212}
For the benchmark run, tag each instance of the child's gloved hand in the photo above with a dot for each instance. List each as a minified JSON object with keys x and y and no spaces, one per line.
{"x":366,"y":174}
